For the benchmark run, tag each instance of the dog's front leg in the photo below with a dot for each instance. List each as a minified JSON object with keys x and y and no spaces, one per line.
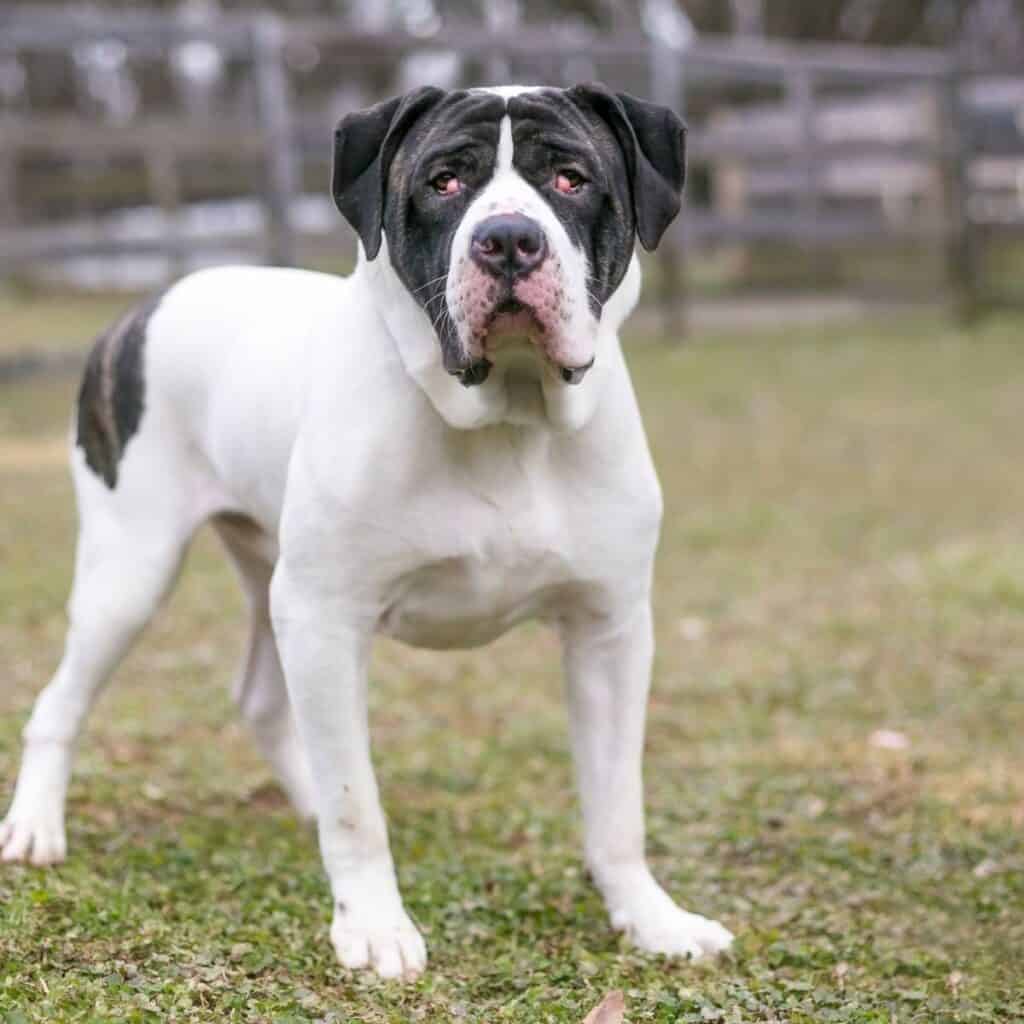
{"x":608,"y":664}
{"x":324,"y":651}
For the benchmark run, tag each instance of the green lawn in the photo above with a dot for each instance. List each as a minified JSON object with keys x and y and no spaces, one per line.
{"x":53,"y":324}
{"x":843,"y":553}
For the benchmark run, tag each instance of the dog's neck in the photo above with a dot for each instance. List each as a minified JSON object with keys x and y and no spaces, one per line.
{"x":504,"y":397}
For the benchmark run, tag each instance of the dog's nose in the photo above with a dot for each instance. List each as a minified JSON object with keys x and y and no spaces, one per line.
{"x":509,"y":245}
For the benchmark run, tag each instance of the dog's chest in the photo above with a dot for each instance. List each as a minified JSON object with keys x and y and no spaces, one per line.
{"x":465,"y":601}
{"x":484,"y":559}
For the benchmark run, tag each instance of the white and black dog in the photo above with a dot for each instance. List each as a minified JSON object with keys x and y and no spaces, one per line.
{"x":436,"y":448}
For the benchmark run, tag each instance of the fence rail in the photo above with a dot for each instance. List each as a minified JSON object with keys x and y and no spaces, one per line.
{"x":283,"y":137}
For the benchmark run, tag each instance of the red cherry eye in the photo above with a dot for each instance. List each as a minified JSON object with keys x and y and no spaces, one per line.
{"x":446,"y":184}
{"x":568,"y":181}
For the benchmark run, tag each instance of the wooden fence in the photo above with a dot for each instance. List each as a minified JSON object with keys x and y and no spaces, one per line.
{"x":283,"y":136}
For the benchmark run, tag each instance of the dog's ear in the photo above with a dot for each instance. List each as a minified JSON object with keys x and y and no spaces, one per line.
{"x":364,"y":146}
{"x":653,"y":141}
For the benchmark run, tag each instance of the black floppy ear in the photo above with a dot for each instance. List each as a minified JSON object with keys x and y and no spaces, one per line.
{"x":653,"y":141}
{"x":364,"y":146}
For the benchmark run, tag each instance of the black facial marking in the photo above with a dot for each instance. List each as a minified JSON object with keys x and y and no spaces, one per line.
{"x":111,"y":398}
{"x":387,"y":162}
{"x":459,"y":135}
{"x":551,"y":132}
{"x":653,"y":142}
{"x":627,"y":155}
{"x":365,"y":143}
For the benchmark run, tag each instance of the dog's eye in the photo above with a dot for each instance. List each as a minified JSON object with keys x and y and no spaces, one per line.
{"x":446,"y":183}
{"x":568,"y":181}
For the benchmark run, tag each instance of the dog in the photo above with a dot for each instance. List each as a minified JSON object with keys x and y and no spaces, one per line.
{"x":436,"y":448}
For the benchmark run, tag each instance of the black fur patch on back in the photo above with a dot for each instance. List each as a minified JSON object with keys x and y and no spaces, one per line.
{"x":111,"y":398}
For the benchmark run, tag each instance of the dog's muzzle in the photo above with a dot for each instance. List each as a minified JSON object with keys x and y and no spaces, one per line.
{"x":511,"y":285}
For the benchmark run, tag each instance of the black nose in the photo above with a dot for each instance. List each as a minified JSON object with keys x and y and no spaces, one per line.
{"x":508,"y":245}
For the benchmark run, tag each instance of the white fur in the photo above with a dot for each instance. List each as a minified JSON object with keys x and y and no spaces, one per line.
{"x":506,"y":92}
{"x":382,"y":496}
{"x":506,"y":150}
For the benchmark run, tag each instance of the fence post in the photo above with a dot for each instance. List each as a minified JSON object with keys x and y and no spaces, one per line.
{"x":800,"y":89}
{"x":960,"y":242}
{"x":501,"y":18}
{"x":668,"y":89}
{"x":162,"y":172}
{"x":8,"y":199}
{"x":802,"y":97}
{"x":280,"y":144}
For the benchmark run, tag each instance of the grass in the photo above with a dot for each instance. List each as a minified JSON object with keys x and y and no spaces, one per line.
{"x":51,"y":325}
{"x":843,"y":553}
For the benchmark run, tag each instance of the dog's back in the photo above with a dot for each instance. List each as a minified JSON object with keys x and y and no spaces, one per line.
{"x":207,"y":378}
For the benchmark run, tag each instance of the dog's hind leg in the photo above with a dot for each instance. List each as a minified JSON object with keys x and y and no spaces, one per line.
{"x":260,"y":690}
{"x":130,"y":546}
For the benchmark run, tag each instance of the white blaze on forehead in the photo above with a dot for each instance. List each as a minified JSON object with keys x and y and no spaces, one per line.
{"x":507,"y":191}
{"x":506,"y":92}
{"x":503,"y":158}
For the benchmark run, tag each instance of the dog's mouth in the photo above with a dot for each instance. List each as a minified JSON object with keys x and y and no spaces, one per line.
{"x":509,"y":322}
{"x":510,"y":319}
{"x":513,"y":321}
{"x":510,"y":326}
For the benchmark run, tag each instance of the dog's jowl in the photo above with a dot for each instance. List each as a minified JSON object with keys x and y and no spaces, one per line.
{"x":437,"y":448}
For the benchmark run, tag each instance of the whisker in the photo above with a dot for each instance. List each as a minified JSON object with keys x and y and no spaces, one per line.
{"x":440,"y":277}
{"x":428,"y":284}
{"x":444,"y":322}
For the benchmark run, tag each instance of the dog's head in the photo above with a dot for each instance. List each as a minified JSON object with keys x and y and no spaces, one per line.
{"x":510,"y":214}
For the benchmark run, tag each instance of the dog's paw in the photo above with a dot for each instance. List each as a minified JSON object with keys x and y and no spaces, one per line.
{"x":657,"y":925}
{"x":393,"y":951}
{"x":33,"y":838}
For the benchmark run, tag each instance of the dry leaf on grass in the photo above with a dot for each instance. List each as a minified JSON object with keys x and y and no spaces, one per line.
{"x":609,"y":1010}
{"x":889,"y":739}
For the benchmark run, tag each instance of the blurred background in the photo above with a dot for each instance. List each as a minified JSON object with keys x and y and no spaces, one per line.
{"x":832,"y":379}
{"x":842,"y":151}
